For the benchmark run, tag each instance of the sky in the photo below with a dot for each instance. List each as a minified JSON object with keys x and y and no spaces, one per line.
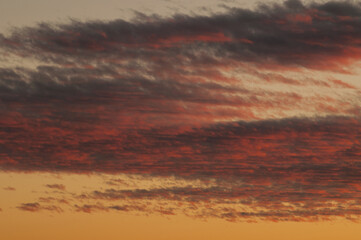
{"x":180,"y":119}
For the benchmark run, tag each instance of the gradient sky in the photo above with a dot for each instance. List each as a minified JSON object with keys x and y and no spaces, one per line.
{"x":180,"y":120}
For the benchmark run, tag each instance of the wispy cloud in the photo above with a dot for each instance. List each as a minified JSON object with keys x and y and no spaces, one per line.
{"x":56,"y":186}
{"x":36,"y":207}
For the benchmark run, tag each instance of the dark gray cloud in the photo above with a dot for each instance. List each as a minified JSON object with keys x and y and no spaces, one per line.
{"x":316,"y":35}
{"x":313,"y":148}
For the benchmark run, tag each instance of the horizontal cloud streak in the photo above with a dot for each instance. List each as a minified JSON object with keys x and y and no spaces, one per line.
{"x":317,"y":147}
{"x":56,"y":186}
{"x":318,"y":35}
{"x":36,"y":207}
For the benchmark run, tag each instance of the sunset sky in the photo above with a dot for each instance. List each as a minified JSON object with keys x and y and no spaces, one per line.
{"x":180,"y":119}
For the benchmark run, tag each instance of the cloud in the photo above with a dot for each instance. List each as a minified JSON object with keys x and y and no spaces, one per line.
{"x":31,"y":207}
{"x":237,"y":201}
{"x":229,"y":199}
{"x":116,"y":182}
{"x":311,"y":148}
{"x":317,"y":35}
{"x":132,"y":207}
{"x":262,"y":98}
{"x":272,"y":170}
{"x":90,"y":208}
{"x":56,"y":186}
{"x":36,"y":207}
{"x":181,"y":70}
{"x":53,"y":199}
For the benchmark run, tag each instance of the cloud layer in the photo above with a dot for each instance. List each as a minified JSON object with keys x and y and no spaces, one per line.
{"x":262,"y":101}
{"x":318,"y":35}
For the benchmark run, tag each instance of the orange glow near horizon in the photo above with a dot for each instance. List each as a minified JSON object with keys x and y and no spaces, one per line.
{"x":17,"y":224}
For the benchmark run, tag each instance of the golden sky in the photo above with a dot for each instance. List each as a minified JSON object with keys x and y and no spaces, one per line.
{"x":16,"y":224}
